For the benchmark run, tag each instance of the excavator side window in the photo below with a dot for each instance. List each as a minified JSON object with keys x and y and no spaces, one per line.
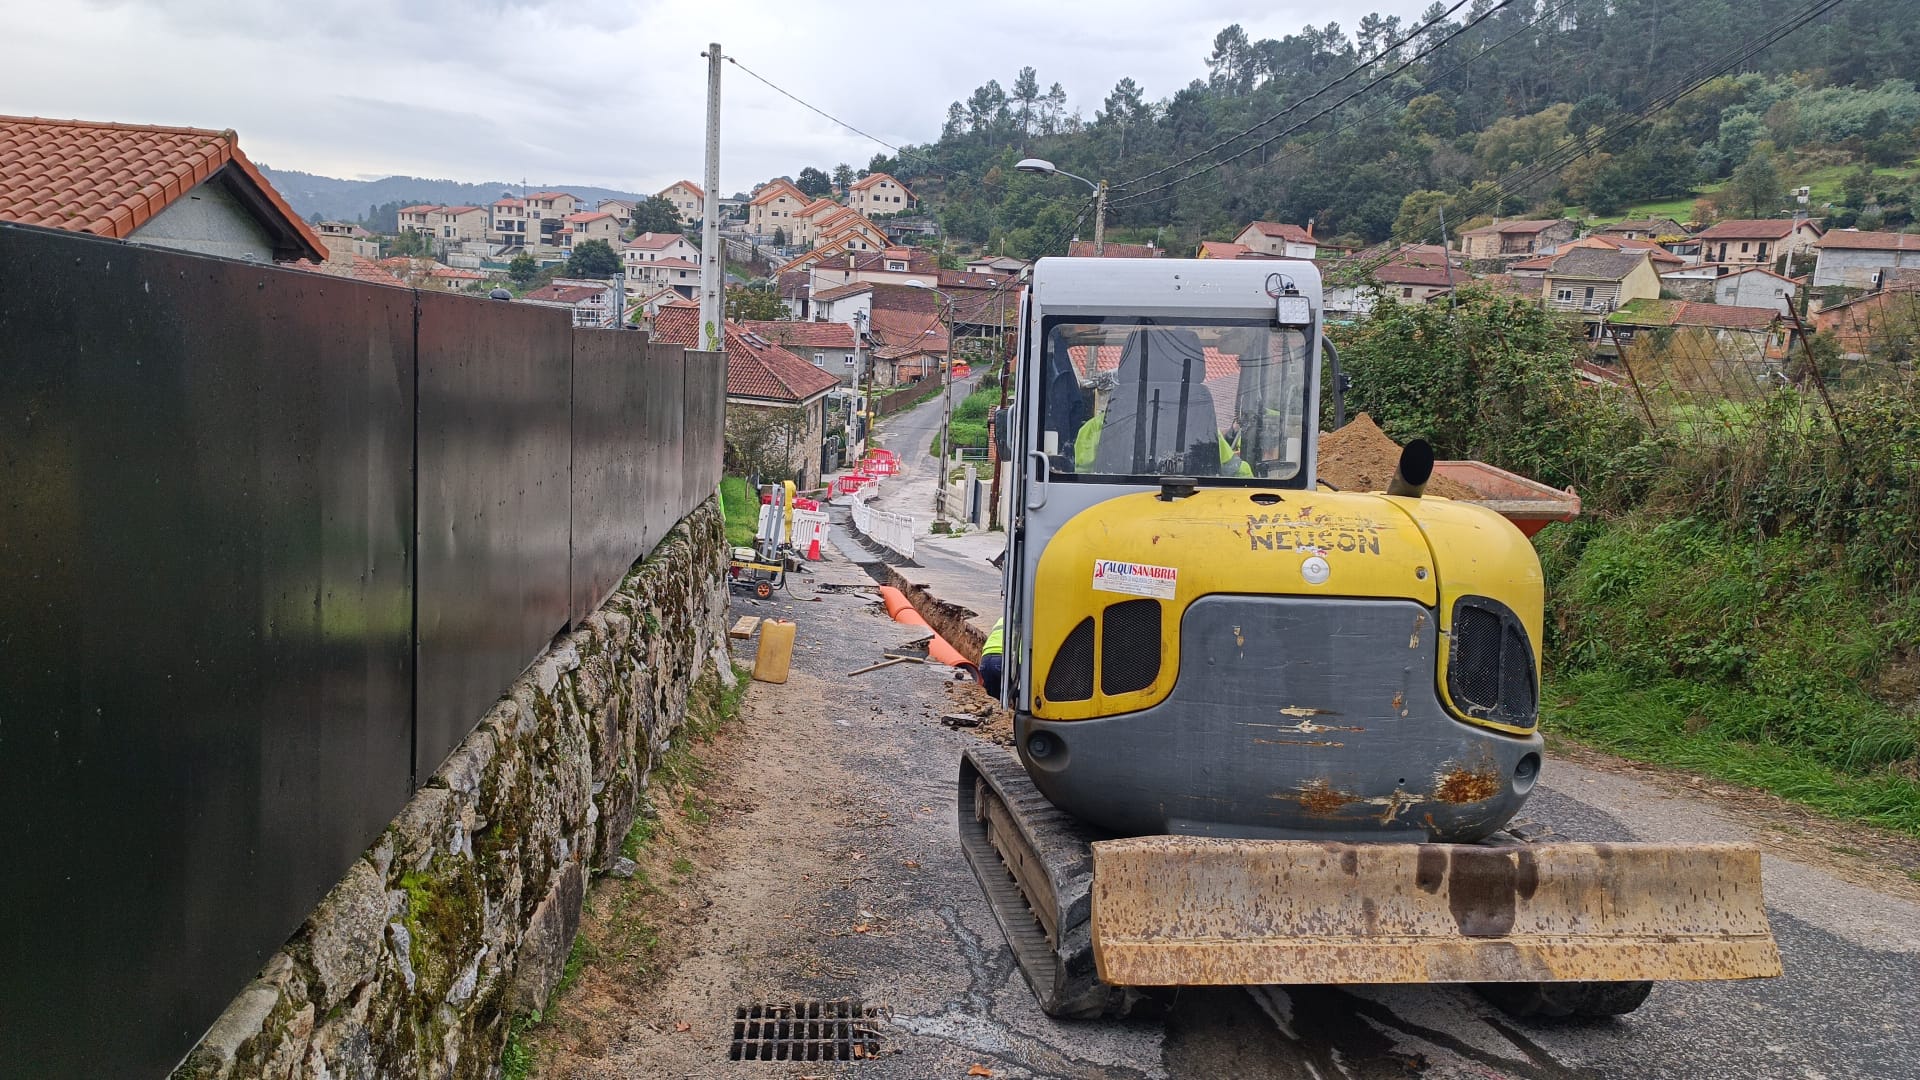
{"x":1130,"y":400}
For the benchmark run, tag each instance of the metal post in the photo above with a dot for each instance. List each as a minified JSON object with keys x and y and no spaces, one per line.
{"x":862,"y":381}
{"x":713,"y":308}
{"x":1100,"y":220}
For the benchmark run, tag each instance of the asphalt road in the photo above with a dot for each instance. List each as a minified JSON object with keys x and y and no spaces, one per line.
{"x":846,"y":800}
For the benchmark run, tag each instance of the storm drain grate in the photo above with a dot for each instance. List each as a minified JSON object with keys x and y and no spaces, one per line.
{"x":843,"y":1030}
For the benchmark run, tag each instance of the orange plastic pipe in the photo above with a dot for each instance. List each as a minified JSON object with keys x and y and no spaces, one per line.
{"x":902,"y":611}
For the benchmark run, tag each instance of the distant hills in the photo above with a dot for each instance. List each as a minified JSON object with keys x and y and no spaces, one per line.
{"x":350,"y":200}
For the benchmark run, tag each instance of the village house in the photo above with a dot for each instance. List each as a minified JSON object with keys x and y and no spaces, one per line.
{"x":879,"y":193}
{"x":1643,"y":229}
{"x":687,"y":198}
{"x":1756,"y":287}
{"x":1757,"y":241}
{"x":770,"y":391}
{"x":773,"y":207}
{"x":1410,"y":274}
{"x":509,"y":228}
{"x":589,"y":225}
{"x":1752,"y":333}
{"x":1278,"y":239}
{"x":653,"y":261}
{"x":829,"y":346}
{"x":345,"y":240}
{"x":1858,"y":260}
{"x":416,"y":219}
{"x":180,"y":188}
{"x":827,"y":267}
{"x":1223,"y":249}
{"x":1515,"y":239}
{"x":591,"y":302}
{"x":459,"y":224}
{"x":999,"y":264}
{"x":621,"y":209}
{"x":1593,"y":282}
{"x":1891,"y":314}
{"x":546,"y":217}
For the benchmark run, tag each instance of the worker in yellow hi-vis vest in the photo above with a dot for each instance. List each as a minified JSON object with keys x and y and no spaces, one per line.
{"x":992,"y":655}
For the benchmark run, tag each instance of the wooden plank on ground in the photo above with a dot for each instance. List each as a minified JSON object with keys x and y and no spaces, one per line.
{"x":743,"y":627}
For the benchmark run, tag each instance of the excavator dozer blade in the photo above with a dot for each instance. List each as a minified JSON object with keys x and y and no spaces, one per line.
{"x":1190,"y":911}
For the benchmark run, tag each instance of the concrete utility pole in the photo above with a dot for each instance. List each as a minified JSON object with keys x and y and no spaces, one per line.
{"x":1100,"y":219}
{"x":713,"y":278}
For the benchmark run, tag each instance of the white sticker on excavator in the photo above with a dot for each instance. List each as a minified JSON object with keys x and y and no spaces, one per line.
{"x":1135,"y":579}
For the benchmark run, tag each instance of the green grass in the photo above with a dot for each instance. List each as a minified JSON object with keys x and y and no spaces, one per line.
{"x":1756,"y":660}
{"x":969,"y":426}
{"x":743,"y":511}
{"x":1623,"y":713}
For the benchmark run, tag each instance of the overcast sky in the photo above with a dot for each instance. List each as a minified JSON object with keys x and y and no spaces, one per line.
{"x":586,"y":91}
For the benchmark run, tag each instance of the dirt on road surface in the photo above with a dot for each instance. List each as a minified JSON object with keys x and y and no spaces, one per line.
{"x":830,"y":870}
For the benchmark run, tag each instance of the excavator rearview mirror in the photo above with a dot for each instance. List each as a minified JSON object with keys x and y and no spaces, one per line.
{"x":1003,"y":433}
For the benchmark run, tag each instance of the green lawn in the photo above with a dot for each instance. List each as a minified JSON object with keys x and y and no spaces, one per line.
{"x":742,"y":510}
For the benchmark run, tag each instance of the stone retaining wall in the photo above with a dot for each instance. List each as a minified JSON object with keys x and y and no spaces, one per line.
{"x":461,"y":916}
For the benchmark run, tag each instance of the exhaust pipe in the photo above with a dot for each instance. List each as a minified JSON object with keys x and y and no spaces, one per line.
{"x":1415,"y":469}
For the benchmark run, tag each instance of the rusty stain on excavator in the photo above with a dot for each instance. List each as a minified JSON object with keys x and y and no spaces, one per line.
{"x":1463,"y":785}
{"x":1322,"y":799}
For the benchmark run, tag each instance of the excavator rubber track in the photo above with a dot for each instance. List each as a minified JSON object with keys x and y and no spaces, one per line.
{"x":1035,"y":865}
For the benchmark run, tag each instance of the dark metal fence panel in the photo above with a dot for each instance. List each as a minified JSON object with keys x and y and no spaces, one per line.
{"x":703,"y":445}
{"x":495,"y":443}
{"x":625,"y":492}
{"x":205,"y":610}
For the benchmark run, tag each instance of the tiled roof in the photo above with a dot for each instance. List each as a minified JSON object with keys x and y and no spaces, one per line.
{"x":871,"y":179}
{"x":1221,"y":249}
{"x":839,"y":291}
{"x":423,"y":208}
{"x":456,"y":211}
{"x":816,"y":206}
{"x":1503,"y":228}
{"x":1688,"y":313}
{"x":653,"y":241}
{"x":1596,"y":264}
{"x":920,"y":329}
{"x":564,"y":294}
{"x":793,"y":284}
{"x":1398,"y":273}
{"x":509,"y":201}
{"x":1291,"y":233}
{"x":755,"y":368}
{"x":672,"y":264}
{"x":812,"y":335}
{"x":359,"y":268}
{"x":110,"y":179}
{"x":1655,"y":226}
{"x":1855,"y":240}
{"x":584,"y":216}
{"x":688,"y":184}
{"x":1083,"y":249}
{"x":777,"y":188}
{"x":1764,"y":229}
{"x":547,"y":196}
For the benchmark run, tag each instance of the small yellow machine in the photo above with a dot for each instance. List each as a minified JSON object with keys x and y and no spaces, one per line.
{"x":1267,"y":732}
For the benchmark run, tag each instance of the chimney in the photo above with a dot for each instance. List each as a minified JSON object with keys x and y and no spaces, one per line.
{"x":1309,"y":228}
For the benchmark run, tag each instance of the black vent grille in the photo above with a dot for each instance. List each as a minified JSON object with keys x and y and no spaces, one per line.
{"x":1129,"y":646}
{"x":1490,"y":664}
{"x":1070,"y":678}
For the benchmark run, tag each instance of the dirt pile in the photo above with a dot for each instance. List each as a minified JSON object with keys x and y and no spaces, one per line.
{"x":990,"y":721}
{"x":1360,"y":457}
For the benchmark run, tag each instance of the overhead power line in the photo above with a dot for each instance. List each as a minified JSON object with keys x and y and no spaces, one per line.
{"x":1357,"y":69}
{"x":1298,"y":125}
{"x":1295,"y":149}
{"x":796,"y":99}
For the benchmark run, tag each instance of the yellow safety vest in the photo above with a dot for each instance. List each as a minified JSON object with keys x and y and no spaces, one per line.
{"x":1087,"y":443}
{"x":994,"y":645}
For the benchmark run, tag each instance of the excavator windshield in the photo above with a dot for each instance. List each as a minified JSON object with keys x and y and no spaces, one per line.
{"x":1134,"y":399}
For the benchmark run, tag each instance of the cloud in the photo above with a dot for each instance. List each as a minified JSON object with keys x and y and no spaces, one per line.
{"x":589,"y":91}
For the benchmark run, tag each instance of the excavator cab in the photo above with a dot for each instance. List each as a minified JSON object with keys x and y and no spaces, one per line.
{"x":1267,"y":732}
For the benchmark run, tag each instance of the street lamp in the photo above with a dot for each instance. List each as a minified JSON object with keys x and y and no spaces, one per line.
{"x":946,"y":404}
{"x":1048,"y":168}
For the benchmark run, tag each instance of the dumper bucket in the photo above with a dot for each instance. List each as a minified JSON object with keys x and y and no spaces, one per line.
{"x":1190,"y":911}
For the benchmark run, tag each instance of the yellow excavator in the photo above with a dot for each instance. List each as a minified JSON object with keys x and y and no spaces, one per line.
{"x":1266,"y":732}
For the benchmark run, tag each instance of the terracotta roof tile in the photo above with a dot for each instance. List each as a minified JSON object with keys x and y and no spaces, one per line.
{"x":359,"y":268}
{"x":1284,"y":231}
{"x":652,"y":241}
{"x":564,"y":294}
{"x":871,"y":179}
{"x":812,"y":335}
{"x":1688,"y":313}
{"x":756,"y":367}
{"x":1764,"y":229}
{"x":110,"y":179}
{"x":688,"y":184}
{"x":1855,"y":240}
{"x":1222,"y":249}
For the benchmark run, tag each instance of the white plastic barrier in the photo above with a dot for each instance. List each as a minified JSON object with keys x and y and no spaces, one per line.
{"x":892,"y":531}
{"x":809,"y":528}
